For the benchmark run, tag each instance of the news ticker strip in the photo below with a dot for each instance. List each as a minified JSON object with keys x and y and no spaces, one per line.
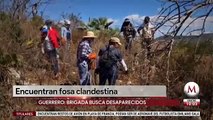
{"x":90,"y":91}
{"x":106,"y":113}
{"x":110,"y":102}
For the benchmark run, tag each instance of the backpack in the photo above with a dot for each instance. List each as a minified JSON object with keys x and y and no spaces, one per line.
{"x":107,"y":59}
{"x":146,"y":32}
{"x":128,"y":30}
{"x":48,"y":45}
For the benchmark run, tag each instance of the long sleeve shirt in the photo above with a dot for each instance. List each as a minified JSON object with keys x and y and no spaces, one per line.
{"x":140,"y":28}
{"x":84,"y":49}
{"x":66,"y":33}
{"x":54,"y":37}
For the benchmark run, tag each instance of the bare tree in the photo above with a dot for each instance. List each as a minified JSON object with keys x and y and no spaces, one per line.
{"x":19,"y":9}
{"x":178,"y":15}
{"x":35,"y":9}
{"x":35,"y":6}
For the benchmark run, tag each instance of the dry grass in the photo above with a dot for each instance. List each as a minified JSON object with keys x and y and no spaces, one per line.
{"x":35,"y":70}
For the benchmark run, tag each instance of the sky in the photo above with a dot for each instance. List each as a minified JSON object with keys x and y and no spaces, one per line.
{"x":114,"y":10}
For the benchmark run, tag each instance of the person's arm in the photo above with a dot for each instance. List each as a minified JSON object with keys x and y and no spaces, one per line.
{"x":63,"y":32}
{"x":124,"y":65}
{"x":121,"y":60}
{"x":70,"y":34}
{"x":41,"y":40}
{"x":86,"y":50}
{"x":122,"y":28}
{"x":100,"y":53}
{"x":140,"y":28}
{"x":134,"y":32}
{"x":60,"y":40}
{"x":59,"y":37}
{"x":152,"y":30}
{"x":43,"y":36}
{"x":53,"y":36}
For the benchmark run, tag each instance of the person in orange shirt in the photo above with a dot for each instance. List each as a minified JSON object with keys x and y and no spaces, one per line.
{"x":84,"y":58}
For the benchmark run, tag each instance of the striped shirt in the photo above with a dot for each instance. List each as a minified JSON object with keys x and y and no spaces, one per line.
{"x":84,"y":49}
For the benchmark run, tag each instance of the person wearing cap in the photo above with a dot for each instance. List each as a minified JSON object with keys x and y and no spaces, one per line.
{"x":50,"y":38}
{"x":129,"y":33}
{"x":84,"y":57}
{"x":66,"y":33}
{"x":108,"y":57}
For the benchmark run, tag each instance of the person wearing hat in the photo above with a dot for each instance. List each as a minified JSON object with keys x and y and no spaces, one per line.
{"x":84,"y":57}
{"x":67,"y":38}
{"x":108,"y":58}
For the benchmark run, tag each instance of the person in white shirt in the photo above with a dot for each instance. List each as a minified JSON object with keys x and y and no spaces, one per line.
{"x":147,"y":33}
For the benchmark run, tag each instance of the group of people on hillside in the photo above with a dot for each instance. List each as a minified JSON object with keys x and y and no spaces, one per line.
{"x":107,"y":60}
{"x":104,"y":64}
{"x":145,"y":30}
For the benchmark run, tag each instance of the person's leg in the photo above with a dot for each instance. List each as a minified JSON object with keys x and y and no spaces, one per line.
{"x":143,"y":43}
{"x":83,"y":73}
{"x":126,"y":42}
{"x":88,"y":78}
{"x":68,"y":50}
{"x":148,"y":42}
{"x":130,"y":43}
{"x":102,"y":78}
{"x":113,"y":76}
{"x":54,"y":61}
{"x":57,"y":53}
{"x":68,"y":45}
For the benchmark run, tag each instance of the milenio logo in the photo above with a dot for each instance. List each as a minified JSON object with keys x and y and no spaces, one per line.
{"x":191,"y":89}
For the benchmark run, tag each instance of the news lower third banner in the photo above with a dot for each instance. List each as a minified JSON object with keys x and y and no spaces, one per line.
{"x":106,"y":113}
{"x":89,"y":91}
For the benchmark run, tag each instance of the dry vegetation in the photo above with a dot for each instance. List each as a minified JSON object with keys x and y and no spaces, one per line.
{"x":20,"y":50}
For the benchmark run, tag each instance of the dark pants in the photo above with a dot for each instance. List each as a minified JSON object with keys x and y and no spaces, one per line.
{"x":111,"y":75}
{"x":68,"y":45}
{"x":128,"y":43}
{"x":52,"y":56}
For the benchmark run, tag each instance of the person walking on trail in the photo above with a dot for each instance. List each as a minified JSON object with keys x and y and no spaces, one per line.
{"x":129,"y":33}
{"x":84,"y":58}
{"x":147,"y":34}
{"x":108,"y":58}
{"x":50,"y":39}
{"x":66,"y":33}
